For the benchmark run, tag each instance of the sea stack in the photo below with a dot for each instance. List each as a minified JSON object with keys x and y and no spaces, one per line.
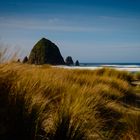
{"x":45,"y":52}
{"x":77,"y":63}
{"x":69,"y":61}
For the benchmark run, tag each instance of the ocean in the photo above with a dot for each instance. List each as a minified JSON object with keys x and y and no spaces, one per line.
{"x":116,"y":65}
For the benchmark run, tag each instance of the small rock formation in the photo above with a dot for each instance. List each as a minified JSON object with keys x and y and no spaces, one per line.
{"x":77,"y":63}
{"x":25,"y":60}
{"x":69,"y":61}
{"x":46,"y":52}
{"x":18,"y":60}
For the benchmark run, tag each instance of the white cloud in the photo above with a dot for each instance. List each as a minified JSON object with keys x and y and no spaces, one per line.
{"x":51,"y":24}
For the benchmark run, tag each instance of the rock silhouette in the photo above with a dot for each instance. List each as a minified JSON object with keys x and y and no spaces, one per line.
{"x":45,"y":52}
{"x":77,"y":63}
{"x":69,"y":61}
{"x":25,"y":60}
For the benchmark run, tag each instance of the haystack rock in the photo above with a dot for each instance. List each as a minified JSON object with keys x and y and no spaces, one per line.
{"x":46,"y":52}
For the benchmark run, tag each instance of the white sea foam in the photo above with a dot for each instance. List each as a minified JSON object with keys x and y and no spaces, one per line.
{"x":125,"y":68}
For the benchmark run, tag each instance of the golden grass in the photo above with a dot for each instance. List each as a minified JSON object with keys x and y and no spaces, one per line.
{"x":137,"y":76}
{"x":47,"y":103}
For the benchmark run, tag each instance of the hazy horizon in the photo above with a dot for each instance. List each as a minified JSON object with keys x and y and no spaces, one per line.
{"x":94,"y":31}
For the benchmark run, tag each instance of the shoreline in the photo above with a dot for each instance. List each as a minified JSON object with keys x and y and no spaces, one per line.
{"x":129,"y":69}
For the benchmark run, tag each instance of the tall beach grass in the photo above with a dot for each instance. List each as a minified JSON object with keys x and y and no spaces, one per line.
{"x":47,"y":103}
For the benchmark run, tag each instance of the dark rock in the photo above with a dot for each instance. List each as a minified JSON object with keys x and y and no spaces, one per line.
{"x":46,"y":52}
{"x":77,"y":63}
{"x":69,"y":61}
{"x":18,"y":60}
{"x":25,"y":60}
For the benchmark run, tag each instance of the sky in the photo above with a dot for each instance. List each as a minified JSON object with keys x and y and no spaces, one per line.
{"x":98,"y":31}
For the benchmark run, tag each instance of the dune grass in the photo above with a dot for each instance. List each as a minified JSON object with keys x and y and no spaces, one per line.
{"x":47,"y":103}
{"x":137,"y":76}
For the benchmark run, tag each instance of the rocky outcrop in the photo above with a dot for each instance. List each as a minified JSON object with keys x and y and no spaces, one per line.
{"x":77,"y":63}
{"x":46,"y":52}
{"x":69,"y":61}
{"x":25,"y":60}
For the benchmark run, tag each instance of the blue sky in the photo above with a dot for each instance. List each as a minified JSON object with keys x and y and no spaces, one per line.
{"x":87,"y":30}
